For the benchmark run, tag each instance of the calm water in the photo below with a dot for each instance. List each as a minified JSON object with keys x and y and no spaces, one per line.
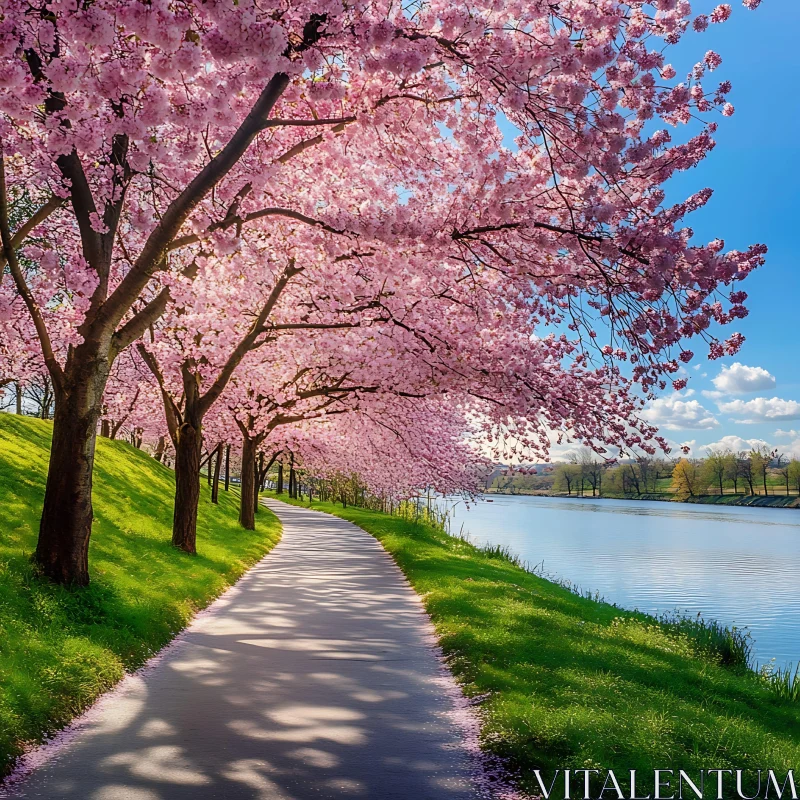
{"x":737,"y":565}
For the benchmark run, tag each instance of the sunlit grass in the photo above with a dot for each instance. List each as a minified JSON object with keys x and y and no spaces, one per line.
{"x":571,"y":683}
{"x":60,"y":648}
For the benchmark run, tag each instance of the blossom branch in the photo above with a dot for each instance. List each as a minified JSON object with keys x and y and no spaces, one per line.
{"x":10,"y":253}
{"x":37,"y":218}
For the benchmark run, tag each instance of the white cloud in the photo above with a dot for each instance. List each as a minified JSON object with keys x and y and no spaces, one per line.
{"x":740,"y":379}
{"x":675,"y":413}
{"x":711,"y":394}
{"x":734,"y":443}
{"x":762,"y":409}
{"x":793,"y":450}
{"x":792,"y":434}
{"x":564,"y":451}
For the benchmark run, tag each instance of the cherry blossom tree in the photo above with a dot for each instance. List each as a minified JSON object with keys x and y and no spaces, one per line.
{"x":395,"y":447}
{"x":215,"y":322}
{"x":143,"y":137}
{"x":268,"y":400}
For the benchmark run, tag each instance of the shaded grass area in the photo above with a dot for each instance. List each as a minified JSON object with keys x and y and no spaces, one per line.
{"x":61,"y":648}
{"x":572,"y":683}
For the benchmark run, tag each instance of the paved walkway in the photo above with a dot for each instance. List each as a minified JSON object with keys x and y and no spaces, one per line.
{"x":313,"y":678}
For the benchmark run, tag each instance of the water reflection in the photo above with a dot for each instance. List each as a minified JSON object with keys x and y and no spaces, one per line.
{"x":738,"y":565}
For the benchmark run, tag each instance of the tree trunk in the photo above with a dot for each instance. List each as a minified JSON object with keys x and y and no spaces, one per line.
{"x":215,"y":484}
{"x":105,"y":429}
{"x":188,"y":450}
{"x":227,"y":467}
{"x":62,"y":550}
{"x":279,"y":487}
{"x":259,"y":471}
{"x":160,"y":448}
{"x":256,"y":479}
{"x":18,"y":398}
{"x":247,"y":517}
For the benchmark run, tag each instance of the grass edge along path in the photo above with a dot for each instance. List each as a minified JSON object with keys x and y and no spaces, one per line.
{"x":566,"y":682}
{"x":60,"y":648}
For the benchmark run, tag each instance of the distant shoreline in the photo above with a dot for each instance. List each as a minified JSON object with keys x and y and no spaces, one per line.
{"x":755,"y":501}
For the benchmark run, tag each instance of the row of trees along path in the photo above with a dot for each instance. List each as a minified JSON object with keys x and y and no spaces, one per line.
{"x":282,"y":213}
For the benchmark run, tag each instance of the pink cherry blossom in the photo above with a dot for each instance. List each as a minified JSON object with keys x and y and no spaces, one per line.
{"x":242,"y":190}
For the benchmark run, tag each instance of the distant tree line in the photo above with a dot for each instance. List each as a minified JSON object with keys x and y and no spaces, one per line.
{"x":586,"y":474}
{"x":757,"y":471}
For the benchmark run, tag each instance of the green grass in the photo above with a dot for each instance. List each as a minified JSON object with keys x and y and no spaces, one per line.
{"x":60,"y":648}
{"x":571,"y":683}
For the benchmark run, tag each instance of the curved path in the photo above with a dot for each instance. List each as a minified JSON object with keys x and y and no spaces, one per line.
{"x":315,"y":677}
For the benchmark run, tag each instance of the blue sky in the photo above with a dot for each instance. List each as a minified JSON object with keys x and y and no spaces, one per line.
{"x":755,"y":173}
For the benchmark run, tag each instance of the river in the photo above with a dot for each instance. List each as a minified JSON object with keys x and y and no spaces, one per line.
{"x":736,"y":565}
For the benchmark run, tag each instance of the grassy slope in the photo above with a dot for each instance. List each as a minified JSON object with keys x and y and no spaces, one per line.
{"x":578,"y":684}
{"x":60,"y":649}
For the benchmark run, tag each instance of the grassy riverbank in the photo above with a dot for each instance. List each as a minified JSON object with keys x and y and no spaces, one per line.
{"x":59,"y":649}
{"x":570,"y":683}
{"x":758,"y":500}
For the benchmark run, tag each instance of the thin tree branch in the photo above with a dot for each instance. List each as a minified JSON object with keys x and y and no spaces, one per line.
{"x":306,"y":123}
{"x":248,"y":341}
{"x":53,"y":367}
{"x":173,"y":218}
{"x":135,"y":327}
{"x":472,"y":233}
{"x":300,"y":326}
{"x":171,"y":411}
{"x":230,"y":221}
{"x":37,"y":218}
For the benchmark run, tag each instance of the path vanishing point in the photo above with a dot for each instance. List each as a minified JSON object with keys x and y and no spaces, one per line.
{"x":315,"y":677}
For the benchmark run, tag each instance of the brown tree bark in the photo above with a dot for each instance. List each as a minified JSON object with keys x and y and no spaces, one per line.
{"x":188,"y":449}
{"x":217,"y":466}
{"x":105,"y":429}
{"x":256,"y":477}
{"x":67,"y":513}
{"x":160,"y":448}
{"x":18,"y":398}
{"x":259,"y":477}
{"x":227,"y":467}
{"x":247,"y":517}
{"x":279,"y":487}
{"x":62,"y":550}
